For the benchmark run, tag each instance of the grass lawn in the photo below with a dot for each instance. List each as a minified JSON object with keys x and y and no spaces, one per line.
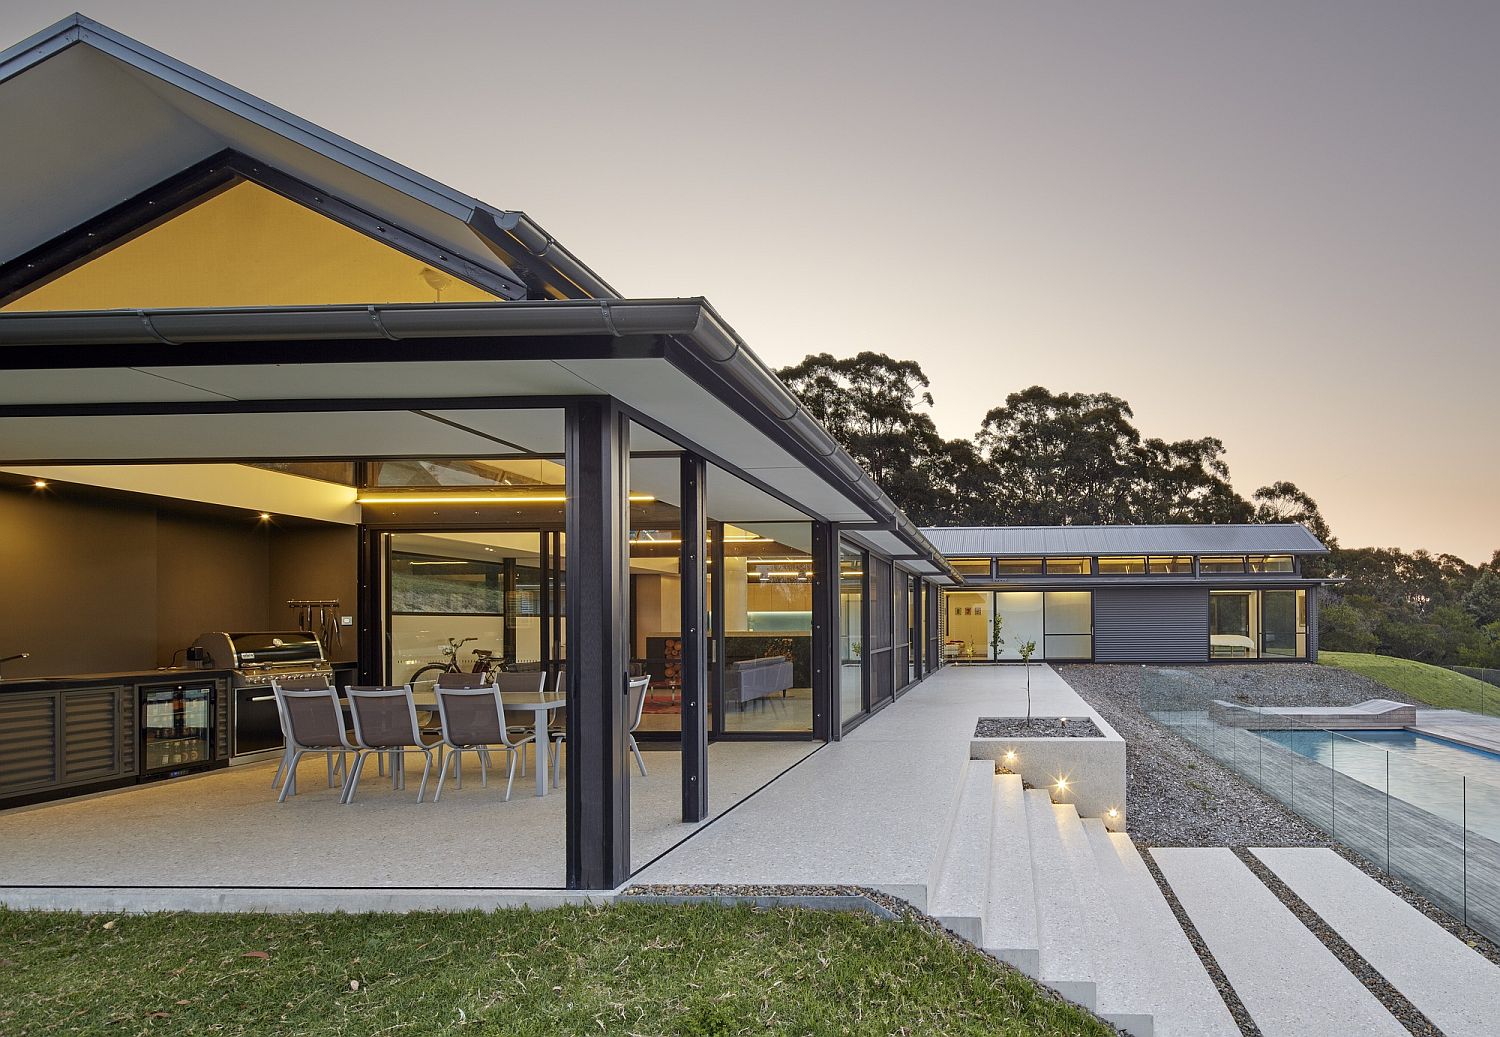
{"x":621,"y":970}
{"x":1433,"y":685}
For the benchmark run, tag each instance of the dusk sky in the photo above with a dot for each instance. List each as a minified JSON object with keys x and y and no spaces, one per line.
{"x":1271,"y":222}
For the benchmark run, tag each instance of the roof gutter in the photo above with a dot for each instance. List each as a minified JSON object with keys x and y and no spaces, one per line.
{"x":701,"y":344}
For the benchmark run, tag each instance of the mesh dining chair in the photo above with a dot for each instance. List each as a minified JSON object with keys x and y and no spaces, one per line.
{"x":313,"y":722}
{"x":557,"y":726}
{"x":474,"y":721}
{"x":521,"y":722}
{"x":433,"y":726}
{"x":336,"y":760}
{"x":635,"y":707}
{"x":385,"y":721}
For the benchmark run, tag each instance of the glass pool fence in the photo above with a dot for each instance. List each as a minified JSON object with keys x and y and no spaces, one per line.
{"x":1424,"y":809}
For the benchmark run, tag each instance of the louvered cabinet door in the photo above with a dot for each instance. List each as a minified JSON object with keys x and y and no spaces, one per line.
{"x":92,"y":731}
{"x":29,"y":757}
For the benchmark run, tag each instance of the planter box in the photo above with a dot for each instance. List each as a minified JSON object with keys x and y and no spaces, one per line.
{"x":1094,"y":768}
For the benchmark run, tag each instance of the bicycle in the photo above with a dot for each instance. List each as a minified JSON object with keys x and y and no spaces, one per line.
{"x":427,"y":676}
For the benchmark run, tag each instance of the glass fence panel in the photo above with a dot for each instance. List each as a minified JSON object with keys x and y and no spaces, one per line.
{"x":1421,"y":808}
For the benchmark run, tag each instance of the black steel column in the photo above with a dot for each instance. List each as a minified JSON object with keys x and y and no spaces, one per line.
{"x":371,"y":608}
{"x":825,"y":631}
{"x":694,"y":577}
{"x":598,"y":520}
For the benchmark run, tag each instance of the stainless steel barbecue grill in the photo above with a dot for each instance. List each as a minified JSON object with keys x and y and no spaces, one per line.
{"x":254,"y":661}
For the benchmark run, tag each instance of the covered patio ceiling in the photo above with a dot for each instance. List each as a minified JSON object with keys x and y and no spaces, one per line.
{"x":425,"y":380}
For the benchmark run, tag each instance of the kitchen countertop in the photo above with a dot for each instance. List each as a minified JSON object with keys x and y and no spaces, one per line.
{"x":168,"y":673}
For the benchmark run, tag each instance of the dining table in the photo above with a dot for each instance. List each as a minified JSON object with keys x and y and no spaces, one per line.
{"x":540,"y":706}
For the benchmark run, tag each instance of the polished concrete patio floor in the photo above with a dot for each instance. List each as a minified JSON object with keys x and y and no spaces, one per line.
{"x":225,"y":829}
{"x":874,"y":808}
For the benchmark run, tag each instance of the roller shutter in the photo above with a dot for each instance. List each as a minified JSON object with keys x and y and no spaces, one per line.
{"x":1151,"y":624}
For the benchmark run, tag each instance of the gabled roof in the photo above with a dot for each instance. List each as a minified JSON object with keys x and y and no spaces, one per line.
{"x":91,"y":117}
{"x":960,"y":541}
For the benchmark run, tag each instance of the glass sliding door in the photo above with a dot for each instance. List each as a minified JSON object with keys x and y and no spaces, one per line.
{"x":968,"y":615}
{"x":1284,"y":624}
{"x":1069,"y":625}
{"x":1233,"y":625}
{"x":851,"y":633}
{"x":1020,"y":615}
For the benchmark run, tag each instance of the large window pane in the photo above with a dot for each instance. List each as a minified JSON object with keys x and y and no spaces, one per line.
{"x":1007,"y":567}
{"x":768,"y":583}
{"x":482,"y":590}
{"x":1068,"y":567}
{"x":1122,"y":566}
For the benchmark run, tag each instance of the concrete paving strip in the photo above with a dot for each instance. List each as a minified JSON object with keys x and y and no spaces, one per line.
{"x":1288,"y":981}
{"x":1455,"y":987}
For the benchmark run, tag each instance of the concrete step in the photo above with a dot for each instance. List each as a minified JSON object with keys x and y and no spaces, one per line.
{"x":963,"y":880}
{"x":1182,"y":998}
{"x":1064,"y":961}
{"x":1010,"y":913}
{"x":1288,"y":981}
{"x":1454,"y":986}
{"x":1121,"y":993}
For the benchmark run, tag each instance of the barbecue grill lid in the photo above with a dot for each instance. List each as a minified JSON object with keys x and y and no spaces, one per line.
{"x":275,"y":646}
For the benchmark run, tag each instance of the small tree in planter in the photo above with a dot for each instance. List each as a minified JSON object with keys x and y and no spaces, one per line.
{"x":996,"y":641}
{"x":1025,"y":650}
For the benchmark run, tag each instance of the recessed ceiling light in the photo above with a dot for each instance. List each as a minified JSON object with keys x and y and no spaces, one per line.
{"x":40,"y":484}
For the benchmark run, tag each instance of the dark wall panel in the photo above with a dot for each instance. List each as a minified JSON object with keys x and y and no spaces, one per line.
{"x":80,"y":585}
{"x":1312,"y":624}
{"x":1151,"y":624}
{"x":318,"y":563}
{"x":211,"y":574}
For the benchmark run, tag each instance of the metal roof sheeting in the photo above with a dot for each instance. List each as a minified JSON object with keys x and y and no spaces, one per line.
{"x":1018,"y":541}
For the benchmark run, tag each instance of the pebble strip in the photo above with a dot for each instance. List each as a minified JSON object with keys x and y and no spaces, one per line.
{"x":1036,"y":727}
{"x":1406,"y":1013}
{"x":801,"y":896}
{"x":1237,"y":1009}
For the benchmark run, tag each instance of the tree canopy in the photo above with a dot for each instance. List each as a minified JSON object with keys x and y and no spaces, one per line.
{"x":1045,"y":458}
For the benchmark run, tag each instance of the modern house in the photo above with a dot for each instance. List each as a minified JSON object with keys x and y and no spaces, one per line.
{"x":272,"y":405}
{"x":258,"y":383}
{"x":1172,"y":593}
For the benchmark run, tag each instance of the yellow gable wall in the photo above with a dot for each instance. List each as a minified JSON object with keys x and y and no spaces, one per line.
{"x":247,"y":246}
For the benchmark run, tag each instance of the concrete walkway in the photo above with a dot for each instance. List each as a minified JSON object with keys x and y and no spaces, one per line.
{"x":1452,"y":984}
{"x":875,"y":808}
{"x":1289,"y":982}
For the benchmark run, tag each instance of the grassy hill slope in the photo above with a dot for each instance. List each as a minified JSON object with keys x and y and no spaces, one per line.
{"x":1423,"y":682}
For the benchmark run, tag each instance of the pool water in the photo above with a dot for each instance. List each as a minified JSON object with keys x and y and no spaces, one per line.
{"x":1425,"y":771}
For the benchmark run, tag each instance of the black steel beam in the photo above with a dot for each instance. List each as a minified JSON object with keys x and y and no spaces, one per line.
{"x":598,"y":521}
{"x":693,"y":573}
{"x":371,"y":607}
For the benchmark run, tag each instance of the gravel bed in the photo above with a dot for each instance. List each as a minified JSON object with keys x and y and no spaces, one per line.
{"x":1036,"y":727}
{"x":1281,"y":684}
{"x":1176,"y":795}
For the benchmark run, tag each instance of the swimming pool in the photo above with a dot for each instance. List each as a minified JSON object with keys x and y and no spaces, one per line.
{"x":1424,"y":771}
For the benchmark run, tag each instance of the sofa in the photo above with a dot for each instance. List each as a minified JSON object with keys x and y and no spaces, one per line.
{"x":750,"y":679}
